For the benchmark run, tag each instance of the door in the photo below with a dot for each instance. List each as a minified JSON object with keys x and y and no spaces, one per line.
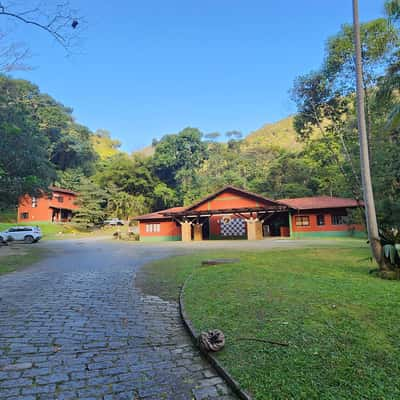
{"x":16,"y":233}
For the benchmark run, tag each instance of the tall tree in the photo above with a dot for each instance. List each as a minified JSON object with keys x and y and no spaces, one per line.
{"x":177,"y":157}
{"x":24,"y":156}
{"x":92,"y":202}
{"x":370,"y":213}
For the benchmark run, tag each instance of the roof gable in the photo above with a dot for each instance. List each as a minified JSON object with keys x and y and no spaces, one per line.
{"x":231,"y":197}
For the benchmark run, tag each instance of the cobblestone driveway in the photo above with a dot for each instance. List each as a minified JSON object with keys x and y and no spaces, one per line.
{"x":75,"y":327}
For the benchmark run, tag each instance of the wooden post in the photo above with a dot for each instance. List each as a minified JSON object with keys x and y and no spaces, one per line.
{"x":186,"y":228}
{"x":198,"y":232}
{"x":254,"y":229}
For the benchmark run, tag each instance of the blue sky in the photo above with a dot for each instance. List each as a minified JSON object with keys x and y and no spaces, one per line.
{"x":147,"y":68}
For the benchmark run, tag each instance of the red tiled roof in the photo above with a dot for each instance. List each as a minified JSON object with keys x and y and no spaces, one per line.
{"x":309,"y":203}
{"x":159,"y":214}
{"x":57,"y":189}
{"x":303,"y":203}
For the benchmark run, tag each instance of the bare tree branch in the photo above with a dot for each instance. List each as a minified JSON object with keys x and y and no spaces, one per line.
{"x":60,"y":21}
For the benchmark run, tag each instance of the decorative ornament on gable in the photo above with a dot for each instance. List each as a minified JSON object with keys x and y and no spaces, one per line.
{"x":226,"y":220}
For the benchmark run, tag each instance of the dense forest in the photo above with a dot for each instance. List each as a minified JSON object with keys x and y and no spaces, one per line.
{"x":314,"y":152}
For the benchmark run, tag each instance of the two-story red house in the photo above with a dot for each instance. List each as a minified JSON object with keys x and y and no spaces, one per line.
{"x":55,"y":206}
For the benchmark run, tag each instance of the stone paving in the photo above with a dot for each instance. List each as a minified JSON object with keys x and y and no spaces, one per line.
{"x":74,"y":326}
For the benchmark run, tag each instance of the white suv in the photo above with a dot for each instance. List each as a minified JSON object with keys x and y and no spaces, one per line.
{"x":29,"y":234}
{"x":113,"y":222}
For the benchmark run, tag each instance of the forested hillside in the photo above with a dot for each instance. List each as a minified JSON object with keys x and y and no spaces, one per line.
{"x":314,"y":152}
{"x":280,"y":134}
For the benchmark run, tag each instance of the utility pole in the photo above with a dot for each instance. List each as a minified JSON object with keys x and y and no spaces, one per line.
{"x":370,"y":213}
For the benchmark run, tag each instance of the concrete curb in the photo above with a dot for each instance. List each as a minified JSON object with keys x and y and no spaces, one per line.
{"x":223,"y":373}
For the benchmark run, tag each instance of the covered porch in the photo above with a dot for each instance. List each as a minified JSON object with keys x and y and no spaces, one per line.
{"x":61,"y":214}
{"x":246,"y":223}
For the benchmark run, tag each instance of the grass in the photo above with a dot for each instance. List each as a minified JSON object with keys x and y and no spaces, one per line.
{"x":341,"y":324}
{"x":8,"y":215}
{"x":28,"y":255}
{"x":53,"y":231}
{"x":49,"y":230}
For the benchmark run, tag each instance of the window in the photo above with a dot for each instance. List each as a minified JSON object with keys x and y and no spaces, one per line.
{"x":303,"y":220}
{"x":60,"y":199}
{"x":320,"y":219}
{"x":153,"y":228}
{"x":24,"y":215}
{"x":34,"y":202}
{"x":338,"y":220}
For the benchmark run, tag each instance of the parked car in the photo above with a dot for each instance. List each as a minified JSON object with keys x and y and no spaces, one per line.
{"x":113,"y":222}
{"x":28,"y":234}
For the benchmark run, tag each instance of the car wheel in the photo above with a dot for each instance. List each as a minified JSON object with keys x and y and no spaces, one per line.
{"x":28,"y":239}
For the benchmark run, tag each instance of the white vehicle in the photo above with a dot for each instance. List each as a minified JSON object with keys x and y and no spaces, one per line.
{"x":113,"y":222}
{"x":28,"y":234}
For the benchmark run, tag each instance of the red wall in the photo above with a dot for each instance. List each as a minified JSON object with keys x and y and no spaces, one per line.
{"x":313,"y":227}
{"x":228,"y":200}
{"x":167,"y":228}
{"x":43,"y":211}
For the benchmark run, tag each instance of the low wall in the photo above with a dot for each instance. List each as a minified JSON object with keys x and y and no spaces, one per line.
{"x":328,"y":234}
{"x":160,"y":238}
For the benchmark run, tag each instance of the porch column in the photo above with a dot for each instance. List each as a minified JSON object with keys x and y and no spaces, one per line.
{"x":198,"y":232}
{"x":254,"y":229}
{"x":186,"y":228}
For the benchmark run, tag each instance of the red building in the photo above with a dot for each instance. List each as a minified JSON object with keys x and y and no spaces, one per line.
{"x":233,"y":213}
{"x":322,"y":216}
{"x":55,"y":206}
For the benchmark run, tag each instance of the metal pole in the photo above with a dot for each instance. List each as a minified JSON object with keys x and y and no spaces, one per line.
{"x":370,"y":213}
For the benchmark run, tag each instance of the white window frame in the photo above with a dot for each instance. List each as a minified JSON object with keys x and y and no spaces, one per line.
{"x":153,"y":228}
{"x":300,"y":221}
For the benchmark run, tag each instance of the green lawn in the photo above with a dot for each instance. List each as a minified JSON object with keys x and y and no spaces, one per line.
{"x":8,"y":215}
{"x":24,"y":256}
{"x":52,"y":231}
{"x":48,"y":229}
{"x":341,"y":324}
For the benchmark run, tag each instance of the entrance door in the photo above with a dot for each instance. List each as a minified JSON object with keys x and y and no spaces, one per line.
{"x":206,"y":228}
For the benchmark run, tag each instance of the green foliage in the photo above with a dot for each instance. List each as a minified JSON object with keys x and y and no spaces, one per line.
{"x":392,"y":8}
{"x":8,"y":214}
{"x":390,"y":240}
{"x":92,"y":202}
{"x":70,"y":179}
{"x":177,"y":156}
{"x":24,"y":165}
{"x":123,"y":205}
{"x":326,"y":100}
{"x":131,"y":174}
{"x":290,"y":176}
{"x":378,"y":42}
{"x":103,"y":144}
{"x":39,"y":139}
